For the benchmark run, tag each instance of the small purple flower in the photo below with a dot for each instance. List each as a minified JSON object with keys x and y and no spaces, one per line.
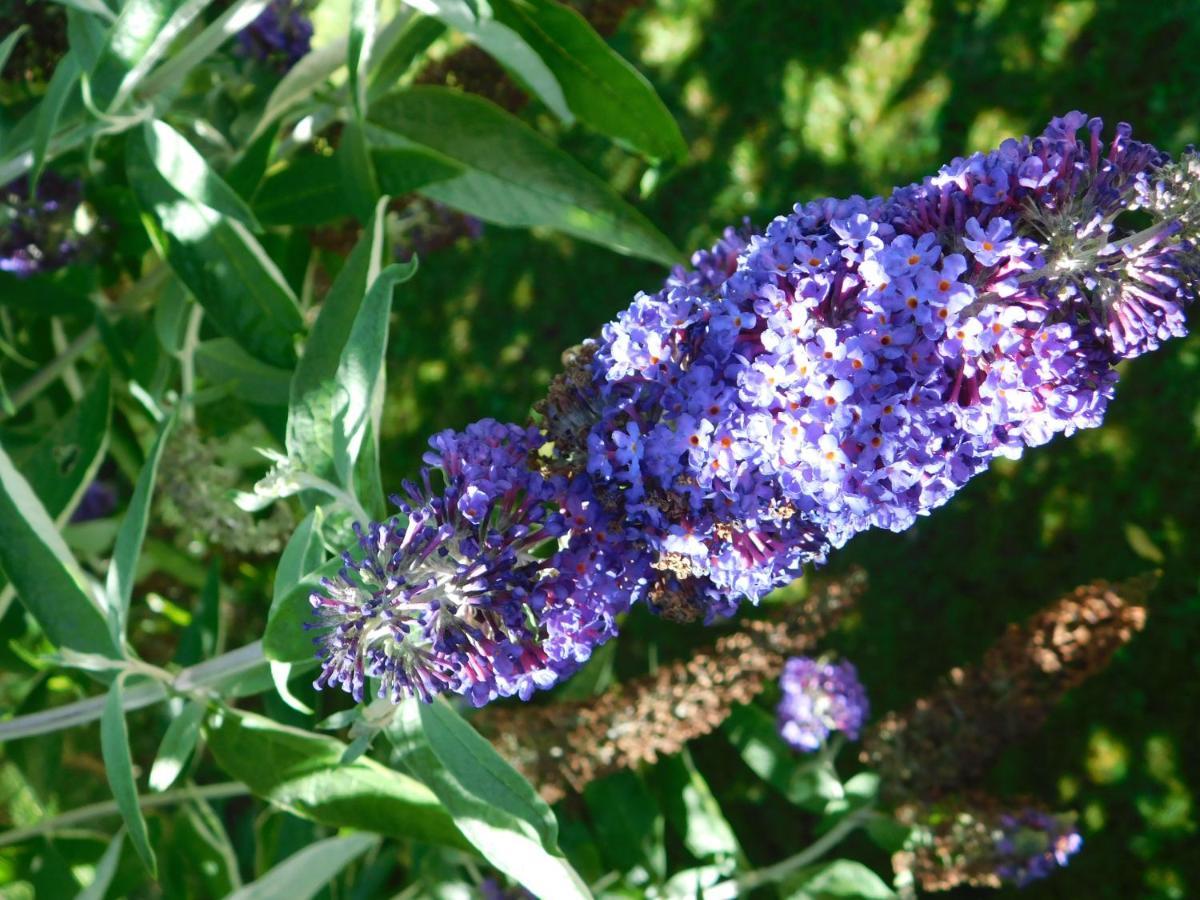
{"x":280,"y":37}
{"x":1033,"y":843}
{"x":818,"y":699}
{"x":40,"y":233}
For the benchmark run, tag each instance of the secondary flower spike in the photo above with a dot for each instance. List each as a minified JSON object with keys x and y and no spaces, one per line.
{"x":819,"y":698}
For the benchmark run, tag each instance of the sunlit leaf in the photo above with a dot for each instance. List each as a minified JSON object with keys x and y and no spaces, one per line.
{"x":302,"y":773}
{"x":177,"y":745}
{"x":513,"y":175}
{"x":123,"y":566}
{"x":47,"y":579}
{"x":118,"y":766}
{"x":600,"y":87}
{"x":502,"y":44}
{"x":307,"y":871}
{"x":182,"y":167}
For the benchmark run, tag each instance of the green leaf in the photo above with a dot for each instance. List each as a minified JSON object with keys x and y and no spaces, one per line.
{"x":182,"y":167}
{"x":475,"y":764}
{"x":177,"y":745}
{"x":502,"y":44}
{"x":357,"y":171}
{"x":135,"y":42}
{"x":839,"y":878}
{"x":62,"y":464}
{"x":47,"y":579}
{"x":404,"y":170}
{"x":308,"y":191}
{"x":810,"y":782}
{"x":395,"y":57}
{"x":300,"y":83}
{"x":304,"y":873}
{"x":513,"y":175}
{"x":86,"y":34}
{"x":629,"y":825}
{"x":360,"y":371}
{"x":358,"y":52}
{"x":223,"y":363}
{"x":314,"y":387}
{"x":285,"y":639}
{"x":301,"y":773}
{"x":7,"y":45}
{"x":219,"y":261}
{"x":693,"y":809}
{"x":601,"y":88}
{"x":118,"y":766}
{"x":123,"y":567}
{"x":509,"y":842}
{"x":62,"y":85}
{"x":105,"y":870}
{"x":304,"y":553}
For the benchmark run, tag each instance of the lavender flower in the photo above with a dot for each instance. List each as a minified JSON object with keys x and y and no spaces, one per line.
{"x":40,"y":232}
{"x":818,"y":699}
{"x":454,"y":596}
{"x":1033,"y":843}
{"x":280,"y":37}
{"x":858,"y":362}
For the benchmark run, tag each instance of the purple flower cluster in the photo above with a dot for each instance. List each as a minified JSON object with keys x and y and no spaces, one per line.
{"x":496,"y":585}
{"x":851,"y":367}
{"x":818,"y":699}
{"x":38,"y":230}
{"x":858,"y":362}
{"x":280,"y":37}
{"x":1033,"y":843}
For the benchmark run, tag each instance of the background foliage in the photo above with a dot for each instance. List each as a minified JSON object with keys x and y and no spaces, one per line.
{"x":776,"y":103}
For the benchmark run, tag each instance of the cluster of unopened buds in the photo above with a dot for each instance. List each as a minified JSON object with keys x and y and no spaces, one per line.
{"x":850,"y":367}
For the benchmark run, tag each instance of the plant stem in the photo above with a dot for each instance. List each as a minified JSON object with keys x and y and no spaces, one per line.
{"x":210,"y":674}
{"x":109,"y":808}
{"x":57,"y":366}
{"x":742,"y":885}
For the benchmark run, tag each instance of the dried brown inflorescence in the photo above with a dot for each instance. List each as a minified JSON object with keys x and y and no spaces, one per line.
{"x":950,"y":737}
{"x":564,"y":746}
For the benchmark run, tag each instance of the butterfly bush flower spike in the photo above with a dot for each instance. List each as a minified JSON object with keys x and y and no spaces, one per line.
{"x":819,"y":698}
{"x":451,"y":595}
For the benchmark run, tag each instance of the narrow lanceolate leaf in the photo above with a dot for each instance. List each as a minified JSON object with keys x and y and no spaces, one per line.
{"x":308,"y":191}
{"x":7,"y":45}
{"x":602,"y":89}
{"x":63,"y":83}
{"x":218,"y":259}
{"x":105,"y":870}
{"x":61,"y":465}
{"x":177,"y":745}
{"x":301,"y":81}
{"x":396,"y":55}
{"x":691,"y":806}
{"x":477,"y":766}
{"x":118,"y":766}
{"x":301,"y":773}
{"x":224,"y":364}
{"x":47,"y":579}
{"x":304,"y":553}
{"x":507,"y":839}
{"x":360,"y":371}
{"x":513,"y":175}
{"x":361,"y":41}
{"x":307,"y":871}
{"x":285,"y":639}
{"x":310,"y":409}
{"x":123,"y":566}
{"x":504,"y":45}
{"x":182,"y":167}
{"x":127,"y":44}
{"x":357,"y":171}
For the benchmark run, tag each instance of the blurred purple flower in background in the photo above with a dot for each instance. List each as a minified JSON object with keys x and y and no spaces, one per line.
{"x":818,"y":699}
{"x":280,"y":37}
